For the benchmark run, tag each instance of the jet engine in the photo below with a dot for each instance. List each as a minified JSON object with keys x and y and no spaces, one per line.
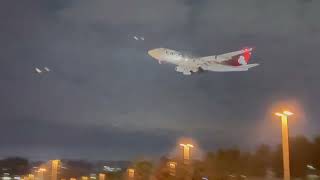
{"x":181,"y":69}
{"x":185,"y":70}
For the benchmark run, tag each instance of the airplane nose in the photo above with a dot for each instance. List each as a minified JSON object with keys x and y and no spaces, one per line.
{"x":155,"y":53}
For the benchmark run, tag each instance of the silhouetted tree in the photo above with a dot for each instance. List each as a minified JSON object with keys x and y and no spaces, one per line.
{"x":300,"y":155}
{"x":260,"y":161}
{"x":15,"y":166}
{"x":316,"y":153}
{"x":76,"y":169}
{"x":143,"y":170}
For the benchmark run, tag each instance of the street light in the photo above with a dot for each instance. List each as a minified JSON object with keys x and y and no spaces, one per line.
{"x":131,"y":173}
{"x":285,"y":143}
{"x":102,"y":176}
{"x":186,"y":151}
{"x":30,"y":177}
{"x":84,"y":178}
{"x":41,"y":172}
{"x":54,"y":169}
{"x":172,"y":168}
{"x":42,"y":169}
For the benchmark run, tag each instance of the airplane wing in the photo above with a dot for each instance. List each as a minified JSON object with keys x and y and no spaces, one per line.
{"x":227,"y":68}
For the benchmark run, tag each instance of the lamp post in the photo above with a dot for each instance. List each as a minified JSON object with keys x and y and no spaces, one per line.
{"x":130,"y":173}
{"x":186,"y":151}
{"x":285,"y":143}
{"x":54,"y":169}
{"x":41,"y":173}
{"x":172,"y":168}
{"x":102,"y":176}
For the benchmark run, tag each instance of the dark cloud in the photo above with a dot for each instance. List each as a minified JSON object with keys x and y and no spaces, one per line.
{"x":29,"y":136}
{"x":103,"y":84}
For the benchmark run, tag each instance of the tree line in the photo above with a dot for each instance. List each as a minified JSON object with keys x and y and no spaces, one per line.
{"x":221,"y":164}
{"x":234,"y":163}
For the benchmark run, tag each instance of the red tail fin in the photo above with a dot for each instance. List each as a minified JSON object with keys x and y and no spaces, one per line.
{"x":247,"y":54}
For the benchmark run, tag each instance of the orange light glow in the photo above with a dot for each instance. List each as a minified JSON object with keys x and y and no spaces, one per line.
{"x":131,"y":173}
{"x":288,"y":113}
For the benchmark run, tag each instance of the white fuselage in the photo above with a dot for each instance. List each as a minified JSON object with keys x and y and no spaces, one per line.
{"x":173,"y":57}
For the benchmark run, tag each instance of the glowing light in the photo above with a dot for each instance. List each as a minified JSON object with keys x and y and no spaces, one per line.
{"x":131,"y":173}
{"x":31,"y":177}
{"x":190,"y":145}
{"x":42,"y":170}
{"x":172,"y":165}
{"x":311,"y":167}
{"x":285,"y":113}
{"x":288,"y":113}
{"x":84,"y":178}
{"x":186,"y":151}
{"x":172,"y":168}
{"x":54,"y":169}
{"x":187,"y":145}
{"x":102,"y":176}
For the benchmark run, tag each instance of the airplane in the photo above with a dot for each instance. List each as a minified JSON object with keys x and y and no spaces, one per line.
{"x":137,"y":38}
{"x":39,"y":71}
{"x":186,"y":64}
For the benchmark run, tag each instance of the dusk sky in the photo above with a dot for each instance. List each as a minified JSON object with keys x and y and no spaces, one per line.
{"x":105,"y":98}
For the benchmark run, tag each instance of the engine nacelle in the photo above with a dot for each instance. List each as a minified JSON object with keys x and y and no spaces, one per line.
{"x":184,"y":70}
{"x":181,"y":69}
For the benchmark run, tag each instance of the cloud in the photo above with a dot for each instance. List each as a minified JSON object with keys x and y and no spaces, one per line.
{"x":53,"y":139}
{"x":115,"y":12}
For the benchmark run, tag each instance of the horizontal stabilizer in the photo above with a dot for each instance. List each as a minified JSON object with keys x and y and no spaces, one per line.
{"x":247,"y":66}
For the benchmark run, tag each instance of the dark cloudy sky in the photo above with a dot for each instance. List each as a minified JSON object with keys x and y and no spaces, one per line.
{"x":106,"y":99}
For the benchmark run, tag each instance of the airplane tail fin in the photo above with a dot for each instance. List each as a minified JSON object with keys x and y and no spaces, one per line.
{"x":246,"y":54}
